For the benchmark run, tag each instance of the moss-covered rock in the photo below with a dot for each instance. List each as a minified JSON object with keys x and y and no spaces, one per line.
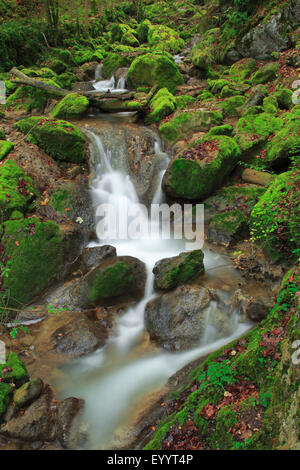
{"x":28,"y":392}
{"x":14,"y":370}
{"x":58,"y":66}
{"x":60,"y":139}
{"x":16,"y":189}
{"x":162,"y":38}
{"x":225,"y":129}
{"x":117,"y":277}
{"x":232,"y":106}
{"x":270,"y":105}
{"x":28,"y":98}
{"x":227,"y":227}
{"x":71,"y":106}
{"x":255,"y":129}
{"x":183,"y":101}
{"x":202,"y":169}
{"x":284,"y":98}
{"x":124,"y":34}
{"x":5,"y":394}
{"x":265,"y":74}
{"x":5,"y":148}
{"x":188,"y":122}
{"x":275,"y":218}
{"x":154,"y":69}
{"x":173,"y":272}
{"x":242,"y":70}
{"x":284,"y":147}
{"x":206,"y":52}
{"x":114,"y":61}
{"x":205,"y":96}
{"x":34,"y":249}
{"x":162,"y":104}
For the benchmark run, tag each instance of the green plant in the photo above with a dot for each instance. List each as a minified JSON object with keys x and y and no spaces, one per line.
{"x":17,"y":329}
{"x":217,"y":375}
{"x":53,"y":309}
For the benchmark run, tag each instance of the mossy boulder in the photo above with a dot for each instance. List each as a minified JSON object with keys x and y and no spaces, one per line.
{"x":13,"y":371}
{"x":16,"y":189}
{"x":57,"y":65}
{"x":154,"y":69}
{"x":124,"y":34}
{"x":232,"y":106}
{"x":60,"y":139}
{"x":162,"y":104}
{"x":34,"y":249}
{"x":255,"y":129}
{"x":242,"y":70}
{"x":189,"y":122}
{"x":225,"y":129}
{"x":265,"y":74}
{"x":28,"y":98}
{"x":275,"y":218}
{"x":206,"y":52}
{"x":205,"y":96}
{"x":284,"y":98}
{"x":117,"y":278}
{"x":270,"y":105}
{"x":284,"y":147}
{"x":28,"y":392}
{"x":161,"y":38}
{"x":5,"y":395}
{"x":71,"y":106}
{"x":201,"y":169}
{"x":173,"y":272}
{"x":5,"y":148}
{"x":227,"y":227}
{"x":113,"y":61}
{"x":182,"y":101}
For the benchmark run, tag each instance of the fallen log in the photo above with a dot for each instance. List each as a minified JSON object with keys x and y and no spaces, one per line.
{"x":106,"y":101}
{"x":256,"y":177}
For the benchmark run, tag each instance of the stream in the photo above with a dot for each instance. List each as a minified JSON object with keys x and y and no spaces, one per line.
{"x":113,"y":379}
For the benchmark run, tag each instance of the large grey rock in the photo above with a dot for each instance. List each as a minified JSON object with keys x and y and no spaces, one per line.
{"x":37,"y":423}
{"x":177,"y":320}
{"x":172,"y":272}
{"x":271,"y":36}
{"x":71,"y":432}
{"x":29,"y":392}
{"x":251,"y":308}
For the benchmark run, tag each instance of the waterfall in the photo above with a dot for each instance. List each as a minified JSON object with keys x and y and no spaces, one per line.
{"x":108,"y":85}
{"x":98,"y":72}
{"x":112,"y":379}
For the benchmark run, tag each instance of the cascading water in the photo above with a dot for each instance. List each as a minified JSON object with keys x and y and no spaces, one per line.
{"x":108,"y":85}
{"x":112,"y":379}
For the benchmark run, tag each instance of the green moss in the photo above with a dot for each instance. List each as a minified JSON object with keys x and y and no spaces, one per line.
{"x":162,"y":38}
{"x":183,"y":100}
{"x":253,"y":110}
{"x":81,"y":56}
{"x":60,"y":139}
{"x":35,"y":253}
{"x":65,"y":56}
{"x":225,"y":129}
{"x":142,"y":31}
{"x":2,"y":135}
{"x":18,"y":375}
{"x":124,"y":34}
{"x":176,"y":271}
{"x":205,"y":96}
{"x":255,"y":129}
{"x":113,"y":61}
{"x":242,"y":69}
{"x":232,"y":106}
{"x":62,"y":199}
{"x":284,"y":147}
{"x":58,"y":66}
{"x":231,"y":222}
{"x":71,"y":106}
{"x":5,"y":394}
{"x":206,"y":53}
{"x":154,"y":69}
{"x":216,"y":86}
{"x":270,"y":105}
{"x":265,"y":74}
{"x":28,"y":98}
{"x":284,"y":98}
{"x":226,"y":419}
{"x":275,"y":218}
{"x":188,"y":122}
{"x":162,"y":104}
{"x":66,"y":79}
{"x":111,"y":282}
{"x":5,"y":148}
{"x":197,"y":179}
{"x":16,"y":189}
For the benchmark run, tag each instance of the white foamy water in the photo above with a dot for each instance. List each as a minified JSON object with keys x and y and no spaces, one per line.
{"x":112,"y":379}
{"x":108,"y":85}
